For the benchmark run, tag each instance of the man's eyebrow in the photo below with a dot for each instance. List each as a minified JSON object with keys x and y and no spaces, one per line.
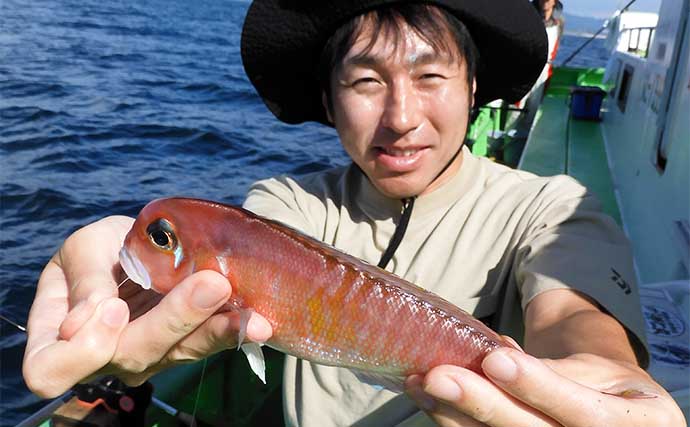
{"x":429,"y":58}
{"x":369,"y":60}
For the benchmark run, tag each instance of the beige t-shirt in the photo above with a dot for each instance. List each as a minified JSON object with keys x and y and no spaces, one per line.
{"x":489,"y":240}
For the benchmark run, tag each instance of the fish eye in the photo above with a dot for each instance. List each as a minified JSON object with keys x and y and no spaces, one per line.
{"x":161,"y":234}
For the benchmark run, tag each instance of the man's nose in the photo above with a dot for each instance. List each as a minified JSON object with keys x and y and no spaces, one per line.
{"x":403,"y":110}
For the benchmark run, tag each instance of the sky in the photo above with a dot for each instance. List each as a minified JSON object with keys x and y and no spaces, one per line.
{"x":606,"y":8}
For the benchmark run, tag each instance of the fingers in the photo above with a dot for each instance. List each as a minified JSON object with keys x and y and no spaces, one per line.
{"x":89,"y":349}
{"x":467,"y":396}
{"x":138,"y":299}
{"x":80,"y":271}
{"x":443,"y":414}
{"x":89,"y":258}
{"x":513,"y":342}
{"x":49,"y":307}
{"x":534,"y":383}
{"x":523,"y":390}
{"x":219,"y":333}
{"x":150,"y":337}
{"x":84,"y":270}
{"x":216,"y":334}
{"x":65,"y":346}
{"x":447,"y":416}
{"x":76,"y":318}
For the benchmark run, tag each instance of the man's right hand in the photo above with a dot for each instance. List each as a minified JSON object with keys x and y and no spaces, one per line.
{"x":79,"y":325}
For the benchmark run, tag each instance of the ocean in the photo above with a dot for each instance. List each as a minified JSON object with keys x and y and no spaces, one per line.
{"x":105,"y":106}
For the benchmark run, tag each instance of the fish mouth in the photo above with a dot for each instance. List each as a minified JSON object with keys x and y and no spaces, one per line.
{"x":134,"y":269}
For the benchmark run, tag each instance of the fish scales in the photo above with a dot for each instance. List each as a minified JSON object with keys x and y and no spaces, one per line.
{"x":324,"y":305}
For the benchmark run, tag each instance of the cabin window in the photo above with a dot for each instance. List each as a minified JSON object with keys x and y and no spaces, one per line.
{"x":624,"y":87}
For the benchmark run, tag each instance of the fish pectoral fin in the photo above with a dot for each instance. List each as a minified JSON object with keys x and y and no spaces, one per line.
{"x":252,"y":350}
{"x":255,"y":357}
{"x":245,"y":314}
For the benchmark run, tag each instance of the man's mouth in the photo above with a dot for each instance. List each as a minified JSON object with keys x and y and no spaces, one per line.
{"x":399,"y":152}
{"x":400,"y":160}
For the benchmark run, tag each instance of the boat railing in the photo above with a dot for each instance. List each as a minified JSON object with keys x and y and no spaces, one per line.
{"x":636,"y":40}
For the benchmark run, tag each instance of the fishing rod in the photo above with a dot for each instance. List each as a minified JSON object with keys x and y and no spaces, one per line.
{"x":13,"y":323}
{"x":603,"y":27}
{"x":103,"y":392}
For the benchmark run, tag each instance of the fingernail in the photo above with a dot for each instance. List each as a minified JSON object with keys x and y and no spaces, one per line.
{"x":209,"y":294}
{"x":414,"y":390}
{"x":500,"y":367}
{"x":113,"y":313}
{"x":444,"y":388}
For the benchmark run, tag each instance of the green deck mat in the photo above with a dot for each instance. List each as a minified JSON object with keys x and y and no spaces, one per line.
{"x":545,"y":151}
{"x":558,"y":144}
{"x":588,"y":164}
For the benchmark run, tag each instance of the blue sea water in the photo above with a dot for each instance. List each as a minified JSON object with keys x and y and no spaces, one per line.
{"x":594,"y":54}
{"x":107,"y":105}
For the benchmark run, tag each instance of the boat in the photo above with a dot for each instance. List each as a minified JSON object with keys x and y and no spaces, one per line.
{"x":621,"y":130}
{"x":634,"y":153}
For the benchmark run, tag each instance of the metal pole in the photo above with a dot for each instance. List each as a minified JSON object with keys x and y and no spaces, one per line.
{"x":44,"y":413}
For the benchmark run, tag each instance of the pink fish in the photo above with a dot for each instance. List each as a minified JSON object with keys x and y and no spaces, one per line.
{"x":324,"y":306}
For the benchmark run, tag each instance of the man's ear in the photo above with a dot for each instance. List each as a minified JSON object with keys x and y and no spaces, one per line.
{"x":474,"y":90}
{"x":324,"y":102}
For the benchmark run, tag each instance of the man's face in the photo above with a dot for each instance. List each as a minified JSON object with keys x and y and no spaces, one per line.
{"x":547,"y":7}
{"x":401,"y":112}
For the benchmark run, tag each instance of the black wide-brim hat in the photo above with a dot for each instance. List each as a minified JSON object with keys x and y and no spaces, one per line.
{"x":282,"y":42}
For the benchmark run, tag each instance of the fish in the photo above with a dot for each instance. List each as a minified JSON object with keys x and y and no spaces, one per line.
{"x":324,"y":305}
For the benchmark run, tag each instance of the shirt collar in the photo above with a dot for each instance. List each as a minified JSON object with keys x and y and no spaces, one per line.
{"x":378,"y":206}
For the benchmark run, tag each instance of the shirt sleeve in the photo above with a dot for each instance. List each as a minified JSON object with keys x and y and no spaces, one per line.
{"x":284,"y":200}
{"x":571,"y":244}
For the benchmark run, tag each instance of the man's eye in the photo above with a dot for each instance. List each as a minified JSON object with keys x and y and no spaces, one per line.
{"x":429,"y":76}
{"x":365,"y":81}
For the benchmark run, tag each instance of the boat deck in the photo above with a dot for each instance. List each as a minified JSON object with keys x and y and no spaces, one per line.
{"x":560,"y":144}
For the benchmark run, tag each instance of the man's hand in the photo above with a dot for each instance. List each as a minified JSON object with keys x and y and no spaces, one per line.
{"x":521,"y":390}
{"x":79,"y":325}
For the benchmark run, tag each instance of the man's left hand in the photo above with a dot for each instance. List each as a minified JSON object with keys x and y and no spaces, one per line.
{"x":521,"y":390}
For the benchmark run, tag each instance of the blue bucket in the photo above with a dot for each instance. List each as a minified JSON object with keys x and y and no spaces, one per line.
{"x":585,"y":102}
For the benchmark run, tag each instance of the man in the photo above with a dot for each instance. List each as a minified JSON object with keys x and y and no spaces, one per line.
{"x":551,"y":12}
{"x":398,"y":84}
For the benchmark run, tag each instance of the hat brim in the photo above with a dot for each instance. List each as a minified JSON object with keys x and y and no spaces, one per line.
{"x":282,"y":42}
